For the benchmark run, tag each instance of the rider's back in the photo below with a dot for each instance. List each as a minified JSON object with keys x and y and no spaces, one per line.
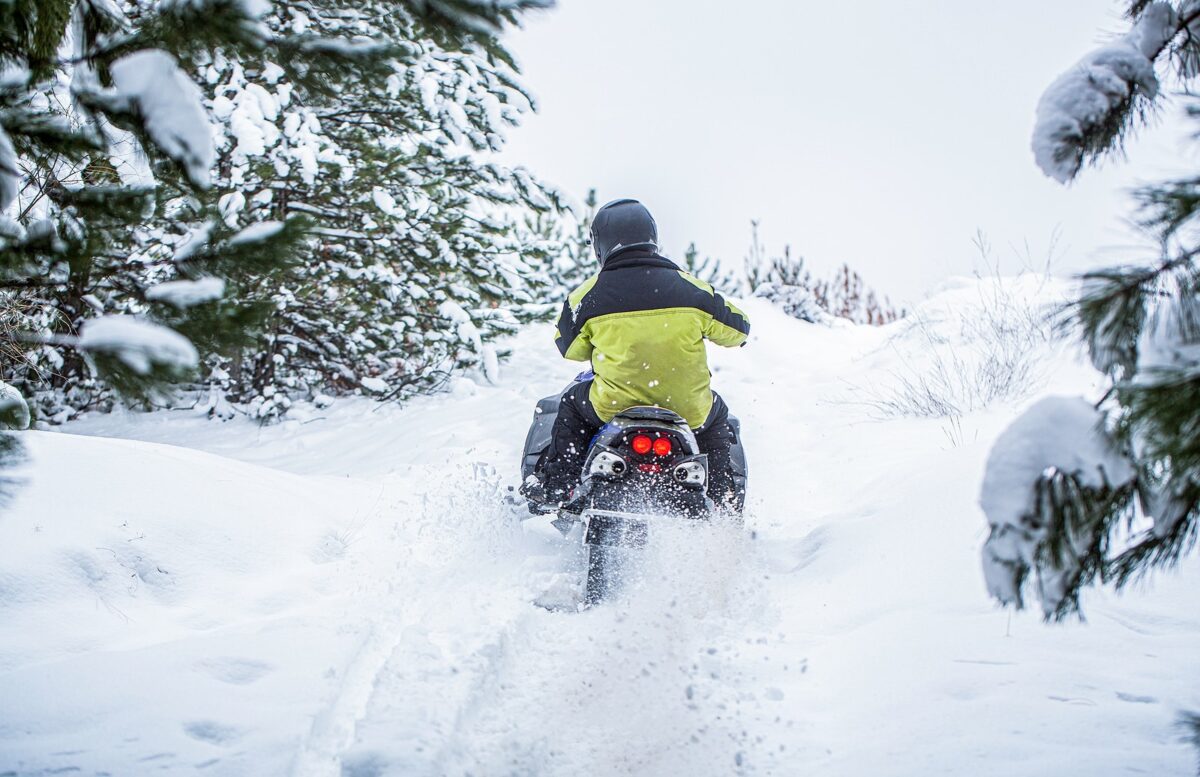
{"x":642,"y":322}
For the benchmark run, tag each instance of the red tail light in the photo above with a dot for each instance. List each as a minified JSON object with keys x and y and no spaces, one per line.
{"x":662,"y":446}
{"x":642,"y":444}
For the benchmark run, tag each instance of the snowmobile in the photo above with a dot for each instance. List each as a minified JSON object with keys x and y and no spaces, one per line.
{"x":642,"y":465}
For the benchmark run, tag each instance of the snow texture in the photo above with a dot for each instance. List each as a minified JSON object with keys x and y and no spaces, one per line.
{"x":9,"y":174}
{"x":1062,"y":433}
{"x":254,"y":233}
{"x":231,"y":205}
{"x":385,"y":201}
{"x":490,"y":364}
{"x":374,"y":385}
{"x":1086,"y":97}
{"x":347,"y":594}
{"x":464,"y":326}
{"x":171,"y":107}
{"x":193,"y":242}
{"x":140,"y":345}
{"x":184,"y":294}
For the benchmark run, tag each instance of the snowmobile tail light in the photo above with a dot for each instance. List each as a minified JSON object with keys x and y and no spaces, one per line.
{"x":642,"y":444}
{"x":662,"y":446}
{"x":607,"y":464}
{"x":690,"y":473}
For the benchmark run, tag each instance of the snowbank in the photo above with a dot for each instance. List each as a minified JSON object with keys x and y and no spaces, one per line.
{"x":155,"y":602}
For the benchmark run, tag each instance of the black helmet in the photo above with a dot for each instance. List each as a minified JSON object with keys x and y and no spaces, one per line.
{"x":620,"y":225}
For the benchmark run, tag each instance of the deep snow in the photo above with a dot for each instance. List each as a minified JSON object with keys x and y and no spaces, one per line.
{"x":346,"y":594}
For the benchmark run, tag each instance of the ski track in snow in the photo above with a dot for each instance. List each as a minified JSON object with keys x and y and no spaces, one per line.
{"x":843,"y":631}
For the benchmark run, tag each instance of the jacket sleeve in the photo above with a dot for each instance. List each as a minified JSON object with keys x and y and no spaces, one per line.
{"x":573,"y":343}
{"x":729,"y":325}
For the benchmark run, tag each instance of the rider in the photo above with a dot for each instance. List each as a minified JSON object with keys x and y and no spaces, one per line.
{"x":641,"y":321}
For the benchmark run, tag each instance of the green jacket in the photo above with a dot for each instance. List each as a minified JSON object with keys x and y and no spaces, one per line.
{"x":642,"y":322}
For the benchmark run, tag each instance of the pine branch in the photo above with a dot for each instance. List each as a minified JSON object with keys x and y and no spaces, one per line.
{"x":1087,"y":112}
{"x":1189,"y":723}
{"x":1153,"y":552}
{"x":478,"y":18}
{"x":1137,"y":8}
{"x":1112,"y":310}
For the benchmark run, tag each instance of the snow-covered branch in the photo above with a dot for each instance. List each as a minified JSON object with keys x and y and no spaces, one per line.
{"x":1085,"y":111}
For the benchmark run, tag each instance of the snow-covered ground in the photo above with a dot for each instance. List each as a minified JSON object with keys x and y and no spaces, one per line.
{"x":347,"y":594}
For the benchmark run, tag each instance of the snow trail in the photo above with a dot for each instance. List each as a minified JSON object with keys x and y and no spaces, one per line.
{"x":387,"y":627}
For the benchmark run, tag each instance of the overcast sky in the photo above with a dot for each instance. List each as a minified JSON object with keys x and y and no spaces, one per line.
{"x":876,"y":133}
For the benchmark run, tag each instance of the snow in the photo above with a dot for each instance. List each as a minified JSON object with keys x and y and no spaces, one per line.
{"x":9,"y":174}
{"x":1062,"y":433}
{"x":1059,"y":432}
{"x":251,"y":122}
{"x":256,"y":232}
{"x":231,"y":205}
{"x":384,"y":201}
{"x":195,"y":240}
{"x":1079,"y":101}
{"x":141,"y":345}
{"x":348,"y":595}
{"x":184,"y":294}
{"x":375,"y":385}
{"x":464,"y":325}
{"x":490,"y":364}
{"x":171,"y":107}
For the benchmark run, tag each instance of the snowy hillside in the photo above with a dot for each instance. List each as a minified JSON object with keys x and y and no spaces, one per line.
{"x":346,"y":594}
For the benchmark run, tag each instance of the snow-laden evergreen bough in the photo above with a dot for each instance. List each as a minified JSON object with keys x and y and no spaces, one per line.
{"x":413,"y":231}
{"x":292,"y":187}
{"x":1083,"y":495}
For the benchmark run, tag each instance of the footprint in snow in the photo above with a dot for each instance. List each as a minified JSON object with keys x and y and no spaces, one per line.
{"x":212,"y":732}
{"x":235,"y":671}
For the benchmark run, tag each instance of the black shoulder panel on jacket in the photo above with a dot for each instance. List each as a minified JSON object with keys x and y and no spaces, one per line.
{"x":729,"y":316}
{"x":636,"y":281}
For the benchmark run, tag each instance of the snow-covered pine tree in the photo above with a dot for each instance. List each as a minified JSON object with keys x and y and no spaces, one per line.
{"x":115,"y":270}
{"x":709,"y":270}
{"x":565,"y":238}
{"x":98,"y":233}
{"x":786,"y":282}
{"x":848,"y":297}
{"x":105,"y":153}
{"x":419,"y":256}
{"x":1112,"y":493}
